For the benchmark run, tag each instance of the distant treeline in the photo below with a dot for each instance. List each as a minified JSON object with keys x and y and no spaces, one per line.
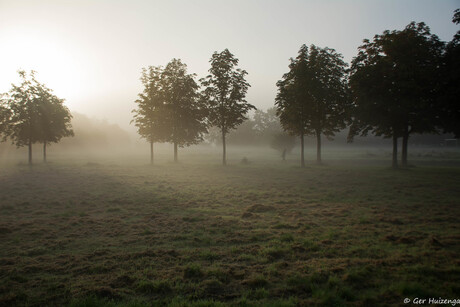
{"x":90,"y":134}
{"x":401,"y":83}
{"x":249,"y":134}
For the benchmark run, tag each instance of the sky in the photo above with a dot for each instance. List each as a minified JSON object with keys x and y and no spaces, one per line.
{"x":91,"y":53}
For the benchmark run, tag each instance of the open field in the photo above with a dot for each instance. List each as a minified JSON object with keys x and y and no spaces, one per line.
{"x":266,"y":233}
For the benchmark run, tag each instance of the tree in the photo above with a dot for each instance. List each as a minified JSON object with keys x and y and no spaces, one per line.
{"x":185,"y":113}
{"x":394,"y":83}
{"x":23,"y":127}
{"x":450,"y":109}
{"x":4,"y":118}
{"x":55,"y":119}
{"x":169,"y":108}
{"x":267,"y":123}
{"x":282,"y":142}
{"x":268,"y":128}
{"x":148,"y":115}
{"x":224,"y":94}
{"x":312,"y":97}
{"x":35,"y":114}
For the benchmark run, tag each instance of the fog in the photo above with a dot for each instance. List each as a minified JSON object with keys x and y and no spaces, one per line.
{"x":104,"y":142}
{"x":175,"y":153}
{"x":92,"y":54}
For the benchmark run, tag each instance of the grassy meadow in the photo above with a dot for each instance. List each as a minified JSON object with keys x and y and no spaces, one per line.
{"x":107,"y":232}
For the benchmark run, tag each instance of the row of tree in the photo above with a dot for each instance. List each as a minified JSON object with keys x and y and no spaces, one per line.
{"x":400,"y":83}
{"x":172,"y":109}
{"x":30,"y":113}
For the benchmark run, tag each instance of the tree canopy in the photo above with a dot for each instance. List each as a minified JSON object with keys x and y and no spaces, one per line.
{"x":312,"y":97}
{"x":4,"y":118}
{"x":169,"y":108}
{"x":448,"y":100}
{"x":184,"y":116}
{"x":224,"y":94}
{"x":147,"y":116}
{"x":395,"y":82}
{"x":33,"y":114}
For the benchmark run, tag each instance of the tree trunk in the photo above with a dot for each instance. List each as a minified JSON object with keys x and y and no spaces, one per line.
{"x":151,"y":153}
{"x":44,"y":152}
{"x":302,"y":159}
{"x":175,"y":152}
{"x":30,"y":152}
{"x":395,"y":151}
{"x":318,"y":147}
{"x":405,"y":142}
{"x":224,"y":150}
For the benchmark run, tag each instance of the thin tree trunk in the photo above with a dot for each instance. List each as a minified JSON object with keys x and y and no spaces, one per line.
{"x":405,"y":142}
{"x":224,"y":149}
{"x":302,"y":159}
{"x":30,"y":152}
{"x":44,"y":152}
{"x":175,"y":152}
{"x":151,"y":153}
{"x":395,"y":151}
{"x":318,"y":147}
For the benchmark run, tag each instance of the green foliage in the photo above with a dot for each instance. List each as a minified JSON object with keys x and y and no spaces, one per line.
{"x":210,"y":256}
{"x":263,"y":128}
{"x":267,"y":122}
{"x":257,"y":282}
{"x":33,"y":114}
{"x":168,"y":109}
{"x":184,"y":114}
{"x":312,"y":97}
{"x":283,"y":142}
{"x":30,"y":113}
{"x":5,"y":114}
{"x":394,"y":83}
{"x":147,"y":116}
{"x":93,"y":301}
{"x":181,"y":302}
{"x":154,"y":287}
{"x":224,"y":94}
{"x":449,"y":114}
{"x":366,"y":264}
{"x":286,"y":237}
{"x":276,"y":252}
{"x":193,"y":271}
{"x":55,"y":118}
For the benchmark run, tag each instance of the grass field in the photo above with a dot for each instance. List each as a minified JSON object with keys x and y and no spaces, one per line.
{"x":195,"y":233}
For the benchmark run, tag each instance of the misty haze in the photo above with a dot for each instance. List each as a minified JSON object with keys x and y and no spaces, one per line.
{"x":239,"y":153}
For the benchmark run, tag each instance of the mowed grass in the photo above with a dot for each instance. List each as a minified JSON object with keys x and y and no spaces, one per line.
{"x":258,"y":234}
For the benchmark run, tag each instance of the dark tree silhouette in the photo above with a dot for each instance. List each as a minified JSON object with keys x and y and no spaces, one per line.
{"x":224,"y":95}
{"x":312,"y":97}
{"x":148,"y":115}
{"x":450,"y":108}
{"x":185,"y":113}
{"x":36,"y":115}
{"x":394,"y":83}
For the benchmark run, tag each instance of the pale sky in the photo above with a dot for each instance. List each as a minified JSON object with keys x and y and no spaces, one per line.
{"x":91,"y":52}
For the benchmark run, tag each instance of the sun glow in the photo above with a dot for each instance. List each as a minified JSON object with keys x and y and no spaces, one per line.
{"x":49,"y":56}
